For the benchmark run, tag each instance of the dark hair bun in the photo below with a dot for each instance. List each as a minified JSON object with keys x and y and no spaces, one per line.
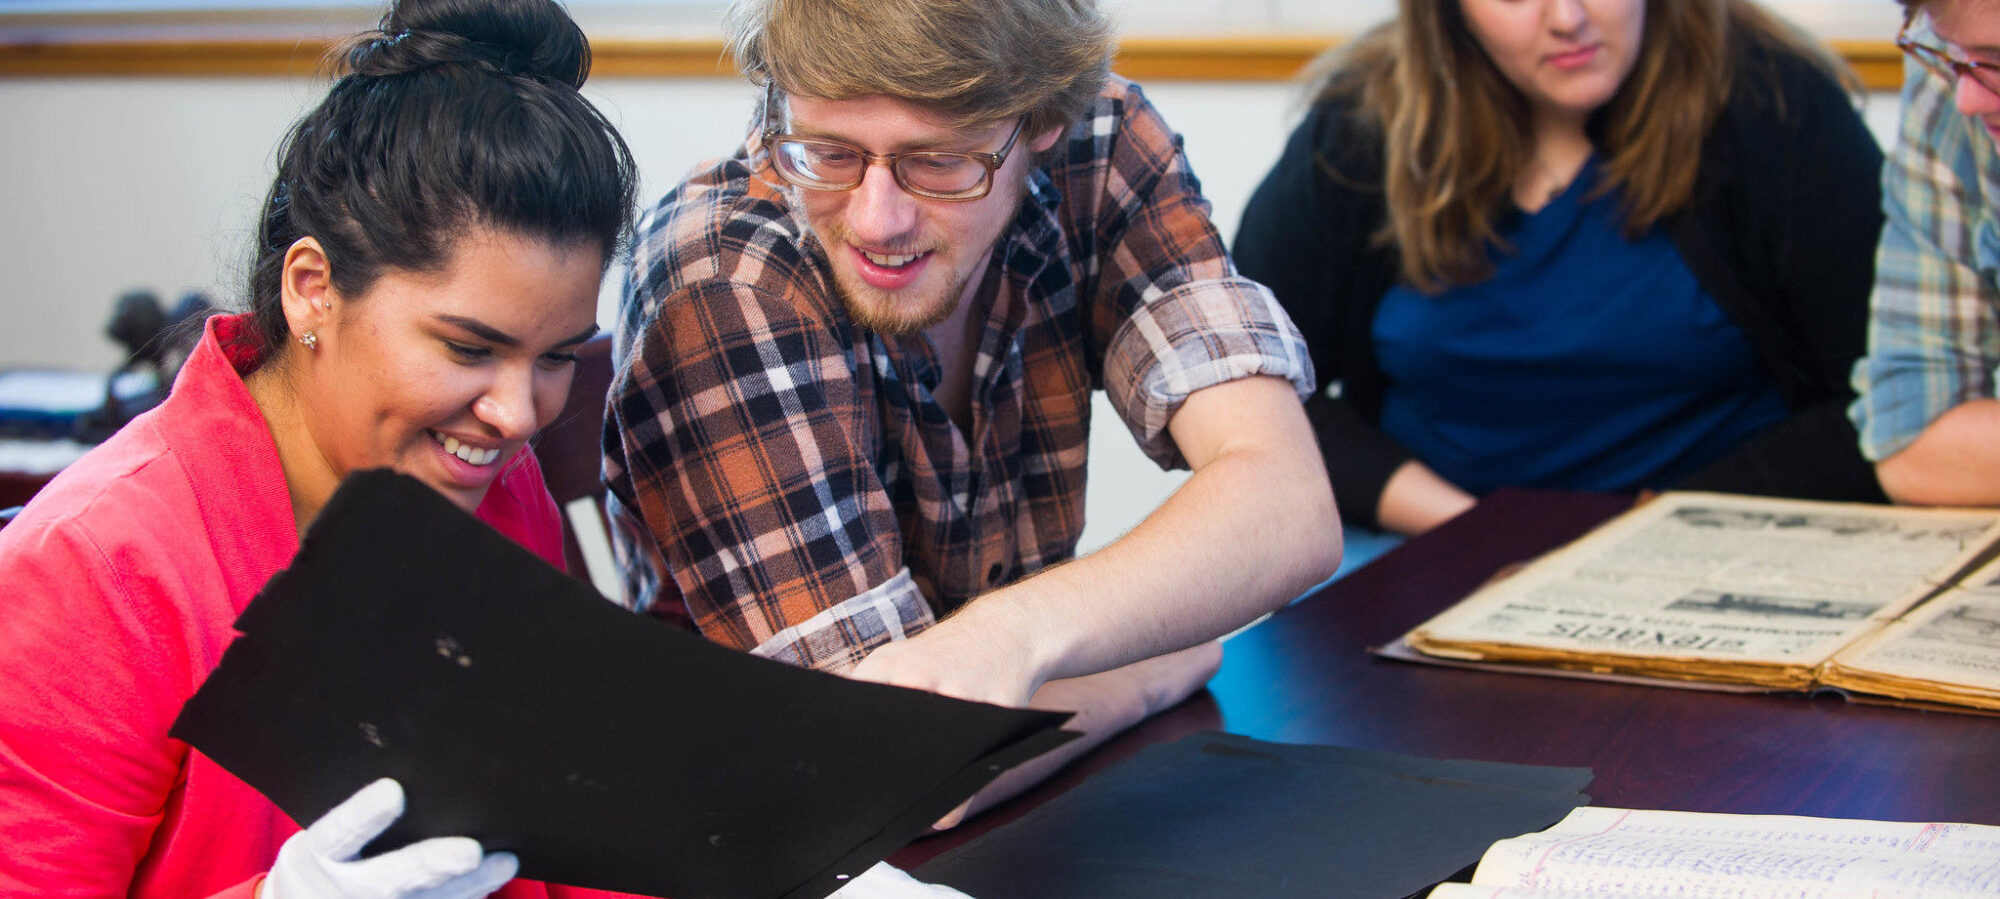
{"x":456,"y":115}
{"x":512,"y":37}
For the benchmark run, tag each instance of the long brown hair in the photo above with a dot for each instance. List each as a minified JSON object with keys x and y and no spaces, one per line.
{"x":1455,"y":130}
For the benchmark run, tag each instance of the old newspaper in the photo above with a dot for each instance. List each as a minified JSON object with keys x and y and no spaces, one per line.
{"x":1721,"y":588}
{"x":1945,"y":650}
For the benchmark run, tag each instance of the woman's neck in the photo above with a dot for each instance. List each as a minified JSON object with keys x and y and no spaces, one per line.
{"x":308,"y":478}
{"x":1557,"y":153}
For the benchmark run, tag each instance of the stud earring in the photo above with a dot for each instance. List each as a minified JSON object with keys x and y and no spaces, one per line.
{"x":309,"y":340}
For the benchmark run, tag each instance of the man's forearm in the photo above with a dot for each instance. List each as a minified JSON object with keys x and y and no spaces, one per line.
{"x":1954,"y":462}
{"x":1253,"y":527}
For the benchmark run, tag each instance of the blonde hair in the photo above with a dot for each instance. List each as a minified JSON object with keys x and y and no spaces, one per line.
{"x":1455,"y":130}
{"x":974,"y":63}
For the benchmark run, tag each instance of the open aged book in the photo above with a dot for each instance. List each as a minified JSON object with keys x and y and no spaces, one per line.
{"x":1620,"y":852}
{"x":1765,"y":593}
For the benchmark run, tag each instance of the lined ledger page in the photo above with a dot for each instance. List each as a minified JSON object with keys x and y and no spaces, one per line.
{"x":1622,"y":852}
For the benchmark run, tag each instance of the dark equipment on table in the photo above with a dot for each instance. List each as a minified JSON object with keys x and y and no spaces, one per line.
{"x":155,"y":341}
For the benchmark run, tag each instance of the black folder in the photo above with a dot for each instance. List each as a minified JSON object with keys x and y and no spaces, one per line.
{"x":606,"y":749}
{"x":1219,"y":816}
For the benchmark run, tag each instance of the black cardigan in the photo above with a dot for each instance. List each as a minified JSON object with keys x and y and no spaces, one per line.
{"x":1781,"y":230}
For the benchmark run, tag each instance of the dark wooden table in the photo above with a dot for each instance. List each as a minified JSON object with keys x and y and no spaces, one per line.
{"x":1306,"y":676}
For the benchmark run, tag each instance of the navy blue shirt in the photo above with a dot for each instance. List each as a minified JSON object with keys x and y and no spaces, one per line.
{"x":1587,"y":361}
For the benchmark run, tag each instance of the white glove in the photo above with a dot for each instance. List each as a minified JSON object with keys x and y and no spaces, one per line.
{"x":319,"y":862}
{"x":886,"y":881}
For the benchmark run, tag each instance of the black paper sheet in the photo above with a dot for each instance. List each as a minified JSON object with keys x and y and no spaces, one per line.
{"x":1217,"y":815}
{"x":606,"y":749}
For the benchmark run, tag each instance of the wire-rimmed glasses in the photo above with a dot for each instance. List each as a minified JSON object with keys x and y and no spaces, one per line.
{"x":817,"y":163}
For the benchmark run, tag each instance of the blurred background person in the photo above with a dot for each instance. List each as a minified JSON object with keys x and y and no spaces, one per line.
{"x":1584,"y":244}
{"x":1928,"y":412}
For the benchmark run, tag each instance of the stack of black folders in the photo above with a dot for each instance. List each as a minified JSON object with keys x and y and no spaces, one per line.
{"x":1217,"y":815}
{"x":606,"y":749}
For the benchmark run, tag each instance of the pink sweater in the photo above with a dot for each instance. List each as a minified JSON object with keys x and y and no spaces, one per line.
{"x":121,"y":583}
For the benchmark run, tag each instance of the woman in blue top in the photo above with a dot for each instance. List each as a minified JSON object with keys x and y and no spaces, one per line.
{"x":1587,"y":244}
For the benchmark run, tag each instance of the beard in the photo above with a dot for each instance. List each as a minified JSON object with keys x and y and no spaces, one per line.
{"x":934,"y":296}
{"x":897,"y":313}
{"x":872,"y":309}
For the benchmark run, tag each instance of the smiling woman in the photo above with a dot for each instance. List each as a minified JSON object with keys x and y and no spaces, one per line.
{"x":439,"y":374}
{"x":433,"y":241}
{"x":427,"y":263}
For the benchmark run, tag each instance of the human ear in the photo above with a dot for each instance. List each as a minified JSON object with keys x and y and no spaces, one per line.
{"x":305,"y":286}
{"x":1043,"y":141}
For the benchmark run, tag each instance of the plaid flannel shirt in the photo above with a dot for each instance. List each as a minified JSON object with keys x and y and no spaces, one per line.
{"x":1934,"y":328}
{"x":787,"y":473}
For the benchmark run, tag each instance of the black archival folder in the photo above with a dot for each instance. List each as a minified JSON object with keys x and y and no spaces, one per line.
{"x":606,"y":749}
{"x":1219,"y":816}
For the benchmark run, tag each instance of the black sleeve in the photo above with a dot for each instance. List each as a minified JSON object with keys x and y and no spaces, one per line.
{"x":1359,"y":458}
{"x":1291,"y":236}
{"x":1814,"y":454}
{"x":1833,"y":221}
{"x":1306,"y":234}
{"x":1822,"y":189}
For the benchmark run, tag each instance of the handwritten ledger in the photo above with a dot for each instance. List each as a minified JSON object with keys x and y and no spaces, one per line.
{"x":1620,"y":852}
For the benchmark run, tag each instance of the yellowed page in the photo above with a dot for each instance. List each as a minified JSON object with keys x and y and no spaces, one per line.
{"x":1947,"y":649}
{"x":1699,"y":584}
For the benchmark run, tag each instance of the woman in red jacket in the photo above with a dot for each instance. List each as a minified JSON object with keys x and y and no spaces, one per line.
{"x":428,"y":261}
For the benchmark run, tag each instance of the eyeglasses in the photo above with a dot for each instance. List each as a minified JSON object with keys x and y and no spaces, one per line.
{"x":820,"y":164}
{"x":1947,"y":62}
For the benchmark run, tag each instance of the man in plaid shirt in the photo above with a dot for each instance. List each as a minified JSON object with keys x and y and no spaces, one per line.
{"x":856,"y":359}
{"x":1927,"y":410}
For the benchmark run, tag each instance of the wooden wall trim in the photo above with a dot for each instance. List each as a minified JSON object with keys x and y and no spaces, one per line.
{"x":1879,"y":63}
{"x":1252,"y":58}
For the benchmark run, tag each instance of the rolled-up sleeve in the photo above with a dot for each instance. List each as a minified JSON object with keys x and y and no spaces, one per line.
{"x":1174,"y":315}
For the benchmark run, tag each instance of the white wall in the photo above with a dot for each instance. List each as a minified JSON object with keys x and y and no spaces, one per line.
{"x":111,"y":184}
{"x":652,"y":18}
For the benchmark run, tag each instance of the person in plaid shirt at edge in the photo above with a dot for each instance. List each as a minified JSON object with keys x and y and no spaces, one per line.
{"x":1927,"y":410}
{"x":847,"y":424}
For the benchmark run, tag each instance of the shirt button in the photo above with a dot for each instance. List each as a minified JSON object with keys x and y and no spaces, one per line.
{"x":994,"y":573}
